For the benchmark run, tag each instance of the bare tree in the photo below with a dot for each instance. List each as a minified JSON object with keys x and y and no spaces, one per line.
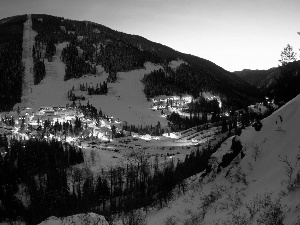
{"x":289,"y":169}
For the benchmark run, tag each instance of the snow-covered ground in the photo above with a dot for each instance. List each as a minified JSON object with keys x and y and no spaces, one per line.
{"x":265,"y":169}
{"x":175,"y":146}
{"x":78,"y":219}
{"x":27,"y":59}
{"x":175,"y":63}
{"x":126,"y":100}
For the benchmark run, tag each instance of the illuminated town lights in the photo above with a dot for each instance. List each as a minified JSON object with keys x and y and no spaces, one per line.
{"x":220,"y":103}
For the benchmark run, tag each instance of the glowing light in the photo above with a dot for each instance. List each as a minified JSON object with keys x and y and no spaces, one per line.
{"x":69,"y":139}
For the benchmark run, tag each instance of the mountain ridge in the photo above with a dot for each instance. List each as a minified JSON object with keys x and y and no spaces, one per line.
{"x":120,"y":52}
{"x":214,"y":77}
{"x":277,"y":82}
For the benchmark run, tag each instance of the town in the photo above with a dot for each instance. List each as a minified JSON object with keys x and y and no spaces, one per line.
{"x":63,"y":123}
{"x":76,"y":123}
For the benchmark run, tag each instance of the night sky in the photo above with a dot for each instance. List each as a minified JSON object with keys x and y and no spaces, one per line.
{"x":235,"y":34}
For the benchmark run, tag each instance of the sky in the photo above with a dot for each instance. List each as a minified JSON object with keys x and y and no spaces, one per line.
{"x":234,"y":34}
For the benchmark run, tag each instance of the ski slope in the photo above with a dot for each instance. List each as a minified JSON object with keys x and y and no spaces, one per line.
{"x":125,"y":99}
{"x":27,"y":59}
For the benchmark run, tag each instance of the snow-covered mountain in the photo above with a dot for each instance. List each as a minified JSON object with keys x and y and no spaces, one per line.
{"x":118,"y":53}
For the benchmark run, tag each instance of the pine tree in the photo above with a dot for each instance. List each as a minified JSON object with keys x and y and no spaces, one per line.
{"x":287,"y":55}
{"x":224,"y":126}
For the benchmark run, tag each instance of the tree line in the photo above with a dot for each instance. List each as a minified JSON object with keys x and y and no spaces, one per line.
{"x":99,"y":89}
{"x":75,"y":66}
{"x":11,"y":67}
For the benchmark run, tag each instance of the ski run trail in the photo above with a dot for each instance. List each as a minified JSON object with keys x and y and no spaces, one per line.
{"x":28,"y":42}
{"x":45,"y":93}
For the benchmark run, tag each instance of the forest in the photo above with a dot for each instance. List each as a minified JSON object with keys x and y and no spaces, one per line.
{"x":11,"y":67}
{"x":75,"y":66}
{"x":38,"y":169}
{"x":186,"y":79}
{"x":53,"y":186}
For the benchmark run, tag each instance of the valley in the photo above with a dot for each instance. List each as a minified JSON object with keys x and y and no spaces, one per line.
{"x":119,"y":126}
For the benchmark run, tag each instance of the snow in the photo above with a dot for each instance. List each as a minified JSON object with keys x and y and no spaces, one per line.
{"x":125,"y":99}
{"x":265,"y":175}
{"x":258,"y":108}
{"x":78,"y":219}
{"x":176,"y":63}
{"x":28,"y":42}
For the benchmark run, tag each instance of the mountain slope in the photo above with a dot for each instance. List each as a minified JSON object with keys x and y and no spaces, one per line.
{"x":280,"y":83}
{"x":264,"y":80}
{"x":261,"y":188}
{"x":119,"y":52}
{"x":255,"y":77}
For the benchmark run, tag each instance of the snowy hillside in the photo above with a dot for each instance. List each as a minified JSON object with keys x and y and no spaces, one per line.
{"x":261,"y":188}
{"x":125,"y":99}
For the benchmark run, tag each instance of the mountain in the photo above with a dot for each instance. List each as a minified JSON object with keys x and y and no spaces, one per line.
{"x":119,"y":52}
{"x":261,"y":185}
{"x":264,"y":80}
{"x":280,"y":83}
{"x":255,"y":77}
